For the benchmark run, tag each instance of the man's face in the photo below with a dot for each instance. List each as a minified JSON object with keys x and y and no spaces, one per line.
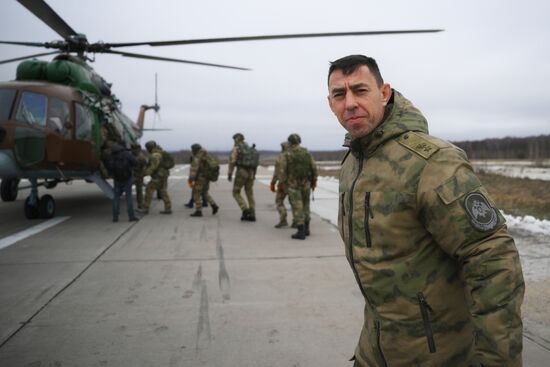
{"x":357,"y":101}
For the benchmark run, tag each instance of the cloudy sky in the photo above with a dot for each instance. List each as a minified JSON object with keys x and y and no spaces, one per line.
{"x":486,"y":75}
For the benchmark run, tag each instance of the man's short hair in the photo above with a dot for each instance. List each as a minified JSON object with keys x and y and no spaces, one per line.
{"x":348,"y":65}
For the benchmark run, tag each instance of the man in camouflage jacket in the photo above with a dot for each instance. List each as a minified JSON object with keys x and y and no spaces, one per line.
{"x":139,"y":168}
{"x":279,"y":190}
{"x":298,"y":175}
{"x":244,"y":177}
{"x":159,"y":178}
{"x":440,"y":274}
{"x":199,"y":182}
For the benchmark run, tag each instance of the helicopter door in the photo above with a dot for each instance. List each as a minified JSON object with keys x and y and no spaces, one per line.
{"x":82,"y":149}
{"x":30,"y":138}
{"x":60,"y":130}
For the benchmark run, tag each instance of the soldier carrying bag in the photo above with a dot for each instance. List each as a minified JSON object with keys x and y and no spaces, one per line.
{"x":248,"y":156}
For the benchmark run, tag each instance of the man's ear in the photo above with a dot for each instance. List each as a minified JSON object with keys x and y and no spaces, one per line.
{"x":386,"y":93}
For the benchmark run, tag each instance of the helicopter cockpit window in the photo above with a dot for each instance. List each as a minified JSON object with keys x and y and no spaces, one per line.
{"x":32,"y":109}
{"x":58,"y":114}
{"x":6,"y":102}
{"x":84,"y":119}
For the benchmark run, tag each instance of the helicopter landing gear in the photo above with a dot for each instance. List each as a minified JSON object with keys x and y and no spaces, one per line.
{"x":36,"y":207}
{"x":9,"y":189}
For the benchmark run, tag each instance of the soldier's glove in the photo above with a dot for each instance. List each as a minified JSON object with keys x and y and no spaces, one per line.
{"x":190,"y":183}
{"x":281,"y":186}
{"x":229,"y":178}
{"x":313,"y":184}
{"x":272,"y":187}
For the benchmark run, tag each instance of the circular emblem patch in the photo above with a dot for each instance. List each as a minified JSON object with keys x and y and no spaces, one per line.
{"x":482,"y":215}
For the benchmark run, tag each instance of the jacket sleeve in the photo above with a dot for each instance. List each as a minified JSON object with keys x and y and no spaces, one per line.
{"x":153,"y":165}
{"x":282,"y":172}
{"x":233,"y":159}
{"x":458,"y":212}
{"x":275,"y":176}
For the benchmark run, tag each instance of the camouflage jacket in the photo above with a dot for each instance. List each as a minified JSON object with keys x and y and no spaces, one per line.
{"x":197,"y":172}
{"x":440,"y":274}
{"x":233,"y":158}
{"x":139,"y":168}
{"x":285,"y":173}
{"x":154,"y":168}
{"x":275,"y":177}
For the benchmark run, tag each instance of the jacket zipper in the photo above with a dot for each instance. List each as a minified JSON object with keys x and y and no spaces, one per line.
{"x":424,"y":307}
{"x":368,"y":213}
{"x":378,"y":344}
{"x":350,"y":227}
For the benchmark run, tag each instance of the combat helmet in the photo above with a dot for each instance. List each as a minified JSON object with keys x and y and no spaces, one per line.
{"x":294,"y":139}
{"x":238,"y":136}
{"x":195,"y":148}
{"x":150,"y":145}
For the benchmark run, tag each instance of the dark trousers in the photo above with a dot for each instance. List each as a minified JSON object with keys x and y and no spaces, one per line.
{"x":123,"y":188}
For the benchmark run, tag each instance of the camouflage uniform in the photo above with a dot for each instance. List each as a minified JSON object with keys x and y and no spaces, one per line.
{"x":243,"y":177}
{"x":280,"y":191}
{"x":298,"y":185}
{"x":440,"y":274}
{"x":159,"y":180}
{"x":201,"y":183}
{"x":138,"y":173}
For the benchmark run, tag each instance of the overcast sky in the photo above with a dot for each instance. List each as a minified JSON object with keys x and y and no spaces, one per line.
{"x":486,"y":75}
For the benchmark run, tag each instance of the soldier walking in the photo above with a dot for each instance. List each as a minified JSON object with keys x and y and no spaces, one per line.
{"x":245,"y":158}
{"x":199,"y":180}
{"x":159,"y":171}
{"x":121,"y":163}
{"x":298,"y":174}
{"x":279,"y":189}
{"x":139,"y":169}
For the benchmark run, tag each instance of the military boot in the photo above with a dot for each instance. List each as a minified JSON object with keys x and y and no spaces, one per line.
{"x":281,"y":224}
{"x":294,"y":225}
{"x":301,"y":234}
{"x":215,"y":209}
{"x":245,"y":214}
{"x":306,"y":228}
{"x":197,"y":213}
{"x":190,"y":204}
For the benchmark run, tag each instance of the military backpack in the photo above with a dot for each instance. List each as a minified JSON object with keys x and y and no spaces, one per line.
{"x":212,"y":167}
{"x":120,"y":167}
{"x":299,"y":164}
{"x":167,"y":161}
{"x":248,"y":156}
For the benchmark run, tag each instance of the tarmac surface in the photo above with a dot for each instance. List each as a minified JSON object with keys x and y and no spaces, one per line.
{"x":171,"y":290}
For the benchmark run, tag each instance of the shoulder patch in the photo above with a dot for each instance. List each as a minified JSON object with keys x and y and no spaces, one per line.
{"x":482,"y":215}
{"x":418,"y":144}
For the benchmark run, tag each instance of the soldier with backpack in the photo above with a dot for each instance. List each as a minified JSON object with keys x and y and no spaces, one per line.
{"x":246,"y":159}
{"x":204,"y":169}
{"x":298,"y":173}
{"x":121,"y":163}
{"x":158,"y":168}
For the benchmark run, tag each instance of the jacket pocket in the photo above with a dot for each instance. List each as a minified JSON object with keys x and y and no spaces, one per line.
{"x":368,"y":214}
{"x":425,"y":310}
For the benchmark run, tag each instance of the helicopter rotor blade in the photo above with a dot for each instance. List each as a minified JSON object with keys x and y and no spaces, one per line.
{"x":269,"y":37}
{"x":48,"y":16}
{"x":28,"y":57}
{"x":140,"y":56}
{"x":31,"y":44}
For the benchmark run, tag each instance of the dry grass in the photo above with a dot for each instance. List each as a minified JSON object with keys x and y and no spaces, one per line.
{"x":516,"y":196}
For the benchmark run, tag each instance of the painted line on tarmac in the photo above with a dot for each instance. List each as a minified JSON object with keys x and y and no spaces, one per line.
{"x":10,"y":240}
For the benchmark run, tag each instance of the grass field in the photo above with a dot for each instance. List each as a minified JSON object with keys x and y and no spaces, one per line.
{"x":515,"y":196}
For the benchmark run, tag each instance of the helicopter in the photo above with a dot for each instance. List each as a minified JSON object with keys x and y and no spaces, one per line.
{"x":57,"y":117}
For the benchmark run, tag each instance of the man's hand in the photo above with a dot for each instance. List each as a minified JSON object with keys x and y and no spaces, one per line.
{"x":281,"y":186}
{"x":190,"y":183}
{"x":229,"y":178}
{"x":313,"y":184}
{"x":272,"y":187}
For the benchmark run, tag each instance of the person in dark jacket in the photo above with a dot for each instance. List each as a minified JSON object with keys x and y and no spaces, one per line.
{"x":122,"y":163}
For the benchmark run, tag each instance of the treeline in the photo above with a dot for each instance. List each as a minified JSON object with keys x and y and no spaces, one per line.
{"x":267,"y":157}
{"x":533,"y":148}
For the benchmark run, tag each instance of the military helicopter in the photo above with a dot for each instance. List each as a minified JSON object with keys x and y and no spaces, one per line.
{"x":57,"y":116}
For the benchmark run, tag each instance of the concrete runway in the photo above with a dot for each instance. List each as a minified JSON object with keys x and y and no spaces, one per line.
{"x":175,"y":290}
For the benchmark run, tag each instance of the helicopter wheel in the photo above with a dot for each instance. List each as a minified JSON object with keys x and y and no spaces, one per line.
{"x":9,"y":189}
{"x":31,"y":211}
{"x":46,"y":207}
